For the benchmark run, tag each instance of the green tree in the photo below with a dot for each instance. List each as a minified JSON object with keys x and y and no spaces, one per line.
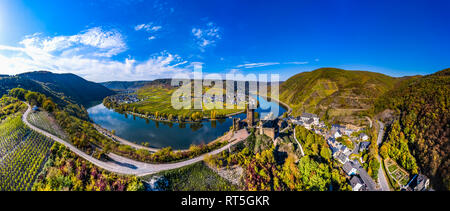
{"x":325,"y":152}
{"x":49,"y":105}
{"x":32,"y":98}
{"x":18,"y":93}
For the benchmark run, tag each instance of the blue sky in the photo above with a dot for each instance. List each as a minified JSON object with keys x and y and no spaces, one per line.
{"x":138,"y":39}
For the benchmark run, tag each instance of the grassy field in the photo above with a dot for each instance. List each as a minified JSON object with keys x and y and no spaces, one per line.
{"x":158,"y":99}
{"x":195,"y":177}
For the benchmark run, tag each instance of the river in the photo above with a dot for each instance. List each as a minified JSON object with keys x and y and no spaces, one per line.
{"x":177,"y":135}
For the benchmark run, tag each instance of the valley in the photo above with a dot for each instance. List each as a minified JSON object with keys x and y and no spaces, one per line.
{"x":341,"y":103}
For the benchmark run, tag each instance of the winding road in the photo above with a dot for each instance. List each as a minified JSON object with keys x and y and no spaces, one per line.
{"x":381,"y":174}
{"x":122,"y":165}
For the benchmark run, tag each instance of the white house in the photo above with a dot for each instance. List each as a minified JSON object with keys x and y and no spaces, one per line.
{"x":308,"y":124}
{"x":357,"y":184}
{"x":308,"y":116}
{"x":363,"y":137}
{"x":337,"y":134}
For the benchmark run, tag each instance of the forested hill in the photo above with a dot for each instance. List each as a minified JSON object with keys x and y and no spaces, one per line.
{"x":9,"y":82}
{"x":124,"y":84}
{"x":121,"y":85}
{"x":421,"y":108}
{"x":335,"y":94}
{"x":65,"y":86}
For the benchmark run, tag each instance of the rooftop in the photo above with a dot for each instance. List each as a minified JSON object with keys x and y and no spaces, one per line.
{"x":365,"y":177}
{"x":356,"y":181}
{"x":347,"y":167}
{"x":309,"y":115}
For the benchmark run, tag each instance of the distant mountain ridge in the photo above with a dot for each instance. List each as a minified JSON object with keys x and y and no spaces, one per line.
{"x":122,"y":85}
{"x":61,"y":87}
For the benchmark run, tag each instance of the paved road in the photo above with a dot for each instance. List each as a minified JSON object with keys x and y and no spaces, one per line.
{"x":370,"y":121}
{"x":122,"y":165}
{"x":381,"y":174}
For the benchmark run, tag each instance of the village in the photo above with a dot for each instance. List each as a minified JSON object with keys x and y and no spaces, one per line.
{"x":125,"y":98}
{"x":346,"y":142}
{"x":337,"y":137}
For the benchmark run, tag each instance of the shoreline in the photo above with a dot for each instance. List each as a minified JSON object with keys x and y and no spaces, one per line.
{"x":116,"y":138}
{"x":140,"y":168}
{"x":135,"y":145}
{"x":185,"y":122}
{"x":286,"y":106}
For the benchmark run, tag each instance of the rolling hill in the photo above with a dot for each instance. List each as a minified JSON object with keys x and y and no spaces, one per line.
{"x":415,"y":108}
{"x":60,"y":87}
{"x":335,"y":94}
{"x":10,"y":82}
{"x":75,"y":88}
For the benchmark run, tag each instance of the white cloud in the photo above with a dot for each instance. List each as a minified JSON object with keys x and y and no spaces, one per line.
{"x":206,"y":36}
{"x":254,"y":65}
{"x":87,"y":54}
{"x":263,"y":64}
{"x":94,"y":41}
{"x":149,"y":28}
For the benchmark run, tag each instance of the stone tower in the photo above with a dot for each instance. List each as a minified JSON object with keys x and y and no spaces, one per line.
{"x":250,"y":116}
{"x":236,"y":124}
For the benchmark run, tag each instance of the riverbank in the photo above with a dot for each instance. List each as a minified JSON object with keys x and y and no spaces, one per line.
{"x":180,"y":122}
{"x":139,"y":132}
{"x":286,"y":106}
{"x":126,"y":166}
{"x":108,"y":134}
{"x":115,"y":138}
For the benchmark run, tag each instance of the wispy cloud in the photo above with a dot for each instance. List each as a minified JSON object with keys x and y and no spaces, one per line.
{"x":264,"y":64}
{"x":87,"y":54}
{"x":149,"y":28}
{"x":254,"y":65}
{"x":206,"y":36}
